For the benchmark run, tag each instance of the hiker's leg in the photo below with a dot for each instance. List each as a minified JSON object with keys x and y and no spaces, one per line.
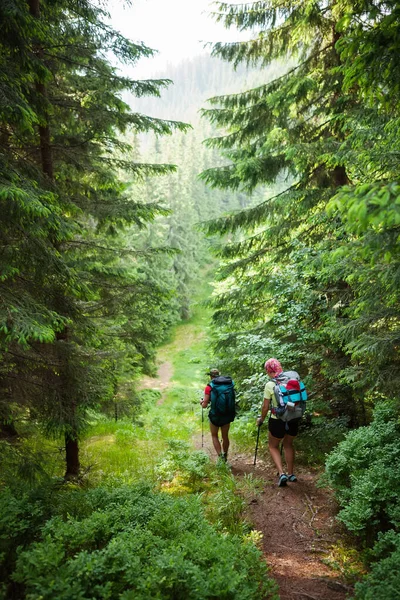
{"x":289,"y":452}
{"x":273,"y":444}
{"x":225,"y":438}
{"x":290,"y":435}
{"x":215,"y":439}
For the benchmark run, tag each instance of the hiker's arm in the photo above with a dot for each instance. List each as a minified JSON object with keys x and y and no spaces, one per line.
{"x":205,"y":401}
{"x":264,"y":411}
{"x":207,"y":394}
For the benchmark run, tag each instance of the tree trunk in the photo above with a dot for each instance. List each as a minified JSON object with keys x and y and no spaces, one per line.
{"x":8,"y":431}
{"x":34,"y":8}
{"x":44,"y":136}
{"x":71,"y":456}
{"x":340,"y":176}
{"x":71,"y":439}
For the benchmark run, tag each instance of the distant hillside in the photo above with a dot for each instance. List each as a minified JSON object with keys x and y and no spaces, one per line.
{"x":196,"y":80}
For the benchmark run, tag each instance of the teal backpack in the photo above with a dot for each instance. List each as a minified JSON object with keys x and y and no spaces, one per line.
{"x":223,"y":396}
{"x":290,"y":395}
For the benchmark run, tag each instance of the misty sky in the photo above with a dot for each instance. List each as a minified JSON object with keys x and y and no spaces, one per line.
{"x":178,"y":29}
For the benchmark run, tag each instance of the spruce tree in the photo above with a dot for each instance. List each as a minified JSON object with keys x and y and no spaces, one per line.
{"x":64,"y":266}
{"x":315,"y":125}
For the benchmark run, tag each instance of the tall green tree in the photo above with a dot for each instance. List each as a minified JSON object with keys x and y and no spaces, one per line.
{"x":65,"y":269}
{"x":323,"y":124}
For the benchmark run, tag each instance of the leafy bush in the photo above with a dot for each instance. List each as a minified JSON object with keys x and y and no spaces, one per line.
{"x":225,"y":506}
{"x":20,"y":519}
{"x":227,"y":502}
{"x":362,"y":470}
{"x":132,"y":543}
{"x":318,"y":436}
{"x":183,"y":465}
{"x":382,"y":582}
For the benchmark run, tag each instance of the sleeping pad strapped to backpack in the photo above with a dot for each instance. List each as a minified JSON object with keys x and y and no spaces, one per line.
{"x":290,"y":396}
{"x":223,"y":409}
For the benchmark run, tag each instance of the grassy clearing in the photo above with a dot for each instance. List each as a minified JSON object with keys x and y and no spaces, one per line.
{"x":158,"y":448}
{"x":133,"y":451}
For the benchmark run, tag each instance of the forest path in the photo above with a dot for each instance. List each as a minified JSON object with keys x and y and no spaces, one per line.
{"x":186,"y":337}
{"x":297,"y":522}
{"x":160,"y":382}
{"x":298,"y":527}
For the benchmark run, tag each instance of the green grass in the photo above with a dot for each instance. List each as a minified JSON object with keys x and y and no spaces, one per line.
{"x":132,"y":451}
{"x":161,"y":450}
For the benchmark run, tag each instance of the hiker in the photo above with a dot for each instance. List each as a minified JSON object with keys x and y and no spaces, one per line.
{"x":278,"y":429}
{"x":222,"y":412}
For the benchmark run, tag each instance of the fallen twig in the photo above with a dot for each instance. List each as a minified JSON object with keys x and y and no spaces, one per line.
{"x":300,"y":593}
{"x":313,"y":511}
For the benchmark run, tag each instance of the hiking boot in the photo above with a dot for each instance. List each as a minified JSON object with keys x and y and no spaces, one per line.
{"x":292,"y":478}
{"x":282,"y":480}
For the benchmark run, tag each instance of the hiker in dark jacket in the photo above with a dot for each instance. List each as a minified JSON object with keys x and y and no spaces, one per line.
{"x":217,"y":423}
{"x":277,"y":428}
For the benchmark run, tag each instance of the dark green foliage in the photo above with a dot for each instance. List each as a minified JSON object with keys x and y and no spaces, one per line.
{"x":366,"y":482}
{"x":361,"y":471}
{"x":82,"y":305}
{"x":382,"y":582}
{"x":314,"y":268}
{"x":130,"y":542}
{"x":319,"y":435}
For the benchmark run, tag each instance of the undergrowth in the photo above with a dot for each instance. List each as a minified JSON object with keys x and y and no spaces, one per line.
{"x":122,"y":542}
{"x":149,"y":518}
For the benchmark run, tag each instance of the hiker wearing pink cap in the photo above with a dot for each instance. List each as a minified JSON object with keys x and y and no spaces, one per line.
{"x":278,"y":430}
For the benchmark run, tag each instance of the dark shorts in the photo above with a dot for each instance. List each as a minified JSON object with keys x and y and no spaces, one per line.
{"x":219,"y":422}
{"x":277,"y":427}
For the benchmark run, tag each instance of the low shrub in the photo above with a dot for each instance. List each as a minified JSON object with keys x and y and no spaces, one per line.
{"x":182,"y":465}
{"x":382,"y":581}
{"x":131,"y":543}
{"x":362,"y":471}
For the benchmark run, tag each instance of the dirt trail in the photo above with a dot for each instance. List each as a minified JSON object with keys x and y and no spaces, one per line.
{"x":298,"y":526}
{"x":297,"y":522}
{"x":160,"y":382}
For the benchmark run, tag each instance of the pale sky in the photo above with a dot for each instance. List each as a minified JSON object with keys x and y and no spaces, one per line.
{"x":178,"y":29}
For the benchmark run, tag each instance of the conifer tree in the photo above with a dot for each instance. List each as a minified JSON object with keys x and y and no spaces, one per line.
{"x":309,"y":125}
{"x":64,"y":267}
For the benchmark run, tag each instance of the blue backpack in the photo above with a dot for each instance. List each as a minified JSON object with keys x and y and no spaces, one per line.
{"x":290,"y":395}
{"x":223,"y":396}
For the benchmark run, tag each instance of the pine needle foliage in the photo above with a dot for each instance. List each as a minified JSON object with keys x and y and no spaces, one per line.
{"x":71,"y":280}
{"x":329,"y":125}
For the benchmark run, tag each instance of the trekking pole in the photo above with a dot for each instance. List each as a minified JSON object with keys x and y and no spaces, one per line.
{"x":258,"y":437}
{"x":202,"y":427}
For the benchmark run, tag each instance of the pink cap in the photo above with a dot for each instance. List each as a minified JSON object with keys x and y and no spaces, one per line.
{"x":273,"y":367}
